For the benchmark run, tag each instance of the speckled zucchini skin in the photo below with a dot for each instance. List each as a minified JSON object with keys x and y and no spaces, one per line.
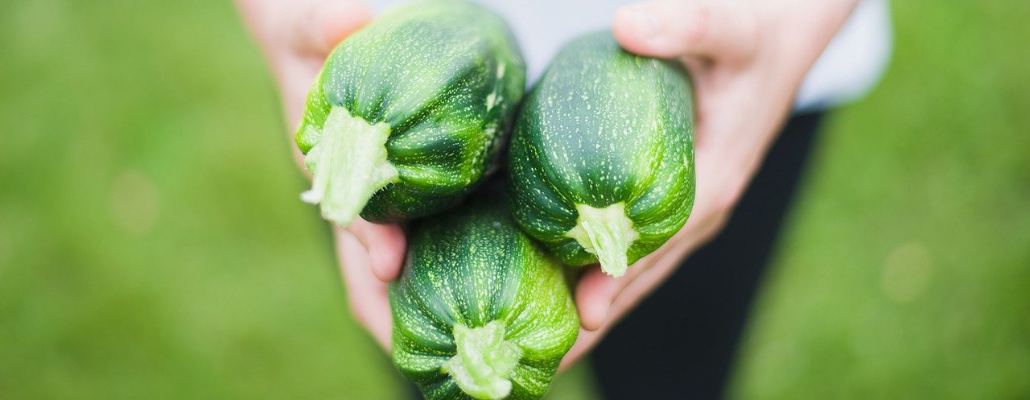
{"x":446,"y":76}
{"x":470,"y":267}
{"x":604,"y":126}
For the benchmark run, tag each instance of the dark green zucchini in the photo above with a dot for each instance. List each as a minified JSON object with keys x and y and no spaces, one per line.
{"x":602,"y":156}
{"x":409,"y":112}
{"x":480,"y":311}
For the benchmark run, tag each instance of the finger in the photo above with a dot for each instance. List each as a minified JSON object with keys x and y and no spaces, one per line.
{"x":675,"y":28}
{"x":368,"y":297}
{"x":624,"y":293}
{"x":321,"y":25}
{"x":311,"y":34}
{"x":594,"y":294}
{"x":643,"y":285}
{"x":296,"y":76}
{"x":385,"y":245}
{"x":584,"y":342}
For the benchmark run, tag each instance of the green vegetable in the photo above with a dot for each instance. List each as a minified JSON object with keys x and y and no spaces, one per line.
{"x":409,"y":112}
{"x":602,"y":155}
{"x":480,"y":311}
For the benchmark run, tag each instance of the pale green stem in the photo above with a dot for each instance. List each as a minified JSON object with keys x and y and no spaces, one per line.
{"x":349,"y":165}
{"x":484,"y":361}
{"x":606,"y":233}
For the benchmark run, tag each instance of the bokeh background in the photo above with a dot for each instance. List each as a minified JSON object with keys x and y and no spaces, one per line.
{"x":152,"y":244}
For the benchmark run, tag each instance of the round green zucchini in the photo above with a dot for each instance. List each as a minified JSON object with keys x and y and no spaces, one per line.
{"x":480,"y":311}
{"x":602,"y":156}
{"x":409,"y":112}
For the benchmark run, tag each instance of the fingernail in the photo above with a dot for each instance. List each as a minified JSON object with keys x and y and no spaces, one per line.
{"x":643,"y":22}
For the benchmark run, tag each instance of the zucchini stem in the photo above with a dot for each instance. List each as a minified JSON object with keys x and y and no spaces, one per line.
{"x":349,"y":165}
{"x":484,"y":361}
{"x":606,"y":233}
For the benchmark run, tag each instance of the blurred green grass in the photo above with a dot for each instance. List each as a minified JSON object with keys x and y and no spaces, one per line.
{"x":152,"y":243}
{"x":151,"y":237}
{"x":906,"y":271}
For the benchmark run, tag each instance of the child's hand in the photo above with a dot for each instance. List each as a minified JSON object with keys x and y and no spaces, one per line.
{"x":296,"y":37}
{"x":747,"y":58}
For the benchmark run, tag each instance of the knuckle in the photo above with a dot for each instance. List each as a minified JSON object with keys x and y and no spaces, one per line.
{"x":712,"y":230}
{"x":728,"y":201}
{"x":697,"y":24}
{"x":749,"y":27}
{"x":710,"y":227}
{"x":749,"y":30}
{"x":724,"y":206}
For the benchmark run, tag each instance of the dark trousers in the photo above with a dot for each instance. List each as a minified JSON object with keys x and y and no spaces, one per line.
{"x":680,"y":343}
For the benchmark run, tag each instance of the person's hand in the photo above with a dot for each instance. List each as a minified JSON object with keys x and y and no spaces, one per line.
{"x":747,"y":59}
{"x":296,"y":37}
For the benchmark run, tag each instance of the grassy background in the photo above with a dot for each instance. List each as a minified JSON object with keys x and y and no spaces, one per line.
{"x":152,"y":244}
{"x":906,"y":271}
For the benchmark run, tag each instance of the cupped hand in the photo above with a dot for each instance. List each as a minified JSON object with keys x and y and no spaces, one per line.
{"x":296,"y":37}
{"x":746,"y":58}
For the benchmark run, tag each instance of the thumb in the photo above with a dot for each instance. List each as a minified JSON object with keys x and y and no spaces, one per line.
{"x":308,"y":32}
{"x":385,"y":245}
{"x":321,"y":25}
{"x":594,"y":295}
{"x":709,"y":29}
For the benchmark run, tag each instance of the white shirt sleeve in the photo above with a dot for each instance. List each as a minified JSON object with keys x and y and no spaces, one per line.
{"x":853,"y":62}
{"x":847,"y":69}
